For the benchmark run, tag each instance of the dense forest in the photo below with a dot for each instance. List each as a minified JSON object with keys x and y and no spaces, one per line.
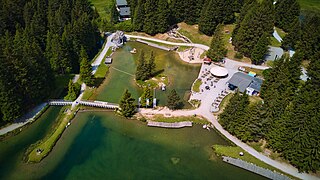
{"x":288,"y":117}
{"x":40,"y":40}
{"x":156,"y":16}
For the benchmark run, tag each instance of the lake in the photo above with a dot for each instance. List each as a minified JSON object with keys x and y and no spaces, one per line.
{"x":101,"y":145}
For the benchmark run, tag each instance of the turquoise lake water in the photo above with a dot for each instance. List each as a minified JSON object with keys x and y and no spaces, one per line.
{"x":105,"y":146}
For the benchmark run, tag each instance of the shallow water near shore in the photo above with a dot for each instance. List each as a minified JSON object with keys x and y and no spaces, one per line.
{"x":105,"y":146}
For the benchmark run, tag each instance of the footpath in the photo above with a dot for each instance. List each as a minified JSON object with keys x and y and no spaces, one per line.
{"x":29,"y":117}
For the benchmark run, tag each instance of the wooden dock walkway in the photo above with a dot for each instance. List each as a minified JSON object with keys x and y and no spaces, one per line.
{"x":255,"y":169}
{"x":170,"y":125}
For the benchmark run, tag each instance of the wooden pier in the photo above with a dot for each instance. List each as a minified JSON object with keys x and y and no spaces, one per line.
{"x":170,"y":125}
{"x":255,"y":169}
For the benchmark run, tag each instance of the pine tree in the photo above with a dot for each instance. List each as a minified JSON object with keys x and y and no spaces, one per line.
{"x":217,"y":49}
{"x":215,"y":12}
{"x":146,"y":95}
{"x":138,"y":17}
{"x":174,"y":100}
{"x":260,"y":50}
{"x":257,"y":21}
{"x":85,"y":68}
{"x":286,"y":13}
{"x":293,"y":36}
{"x":163,"y":13}
{"x":150,"y":21}
{"x":114,"y":14}
{"x":127,"y":108}
{"x":11,"y":104}
{"x":72,"y":92}
{"x":151,"y":66}
{"x":141,"y":67}
{"x":177,"y":8}
{"x":207,"y":21}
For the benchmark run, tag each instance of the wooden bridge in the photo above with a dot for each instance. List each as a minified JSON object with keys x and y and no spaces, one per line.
{"x":170,"y":125}
{"x":99,"y":104}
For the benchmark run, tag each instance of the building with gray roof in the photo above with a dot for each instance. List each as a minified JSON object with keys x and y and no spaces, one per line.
{"x":122,"y":3}
{"x":274,"y":53}
{"x":123,"y":9}
{"x":124,"y":12}
{"x":244,"y":82}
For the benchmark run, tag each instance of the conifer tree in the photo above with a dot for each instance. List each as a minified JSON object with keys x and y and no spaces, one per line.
{"x":215,"y":12}
{"x":260,"y":50}
{"x":150,"y":21}
{"x":217,"y":49}
{"x":138,"y":17}
{"x":258,"y":20}
{"x":174,"y":100}
{"x":286,"y":13}
{"x":114,"y":14}
{"x":141,"y":67}
{"x":127,"y":107}
{"x":147,"y":94}
{"x":72,"y":94}
{"x":293,"y":36}
{"x":163,"y":13}
{"x":207,"y":21}
{"x":85,"y":68}
{"x":151,"y":66}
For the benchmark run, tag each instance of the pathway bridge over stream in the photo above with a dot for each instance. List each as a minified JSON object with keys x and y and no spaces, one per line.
{"x":99,"y":104}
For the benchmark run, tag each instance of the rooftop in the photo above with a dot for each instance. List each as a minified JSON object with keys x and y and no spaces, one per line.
{"x":121,"y":2}
{"x":274,"y":53}
{"x":242,"y":81}
{"x":124,"y":11}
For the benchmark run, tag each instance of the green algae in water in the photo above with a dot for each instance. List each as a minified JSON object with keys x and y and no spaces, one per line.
{"x":175,"y":160}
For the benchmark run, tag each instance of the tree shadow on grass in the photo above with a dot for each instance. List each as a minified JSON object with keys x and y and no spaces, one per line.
{"x":156,"y":73}
{"x":98,"y":81}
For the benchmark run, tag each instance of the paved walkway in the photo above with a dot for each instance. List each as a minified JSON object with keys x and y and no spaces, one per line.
{"x":29,"y":117}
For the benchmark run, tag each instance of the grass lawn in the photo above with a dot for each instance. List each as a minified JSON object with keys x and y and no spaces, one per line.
{"x":313,"y":5}
{"x":275,"y":42}
{"x":257,"y":71}
{"x":49,"y":141}
{"x":61,"y":83}
{"x":87,"y":93}
{"x":233,"y":152}
{"x":103,"y":68}
{"x":254,"y":99}
{"x":103,"y":7}
{"x":281,"y":33}
{"x":196,"y":86}
{"x":197,"y":119}
{"x":192,"y":32}
{"x":227,"y":32}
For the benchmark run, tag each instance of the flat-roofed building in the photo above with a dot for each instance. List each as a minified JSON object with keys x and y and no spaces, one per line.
{"x":245,"y":83}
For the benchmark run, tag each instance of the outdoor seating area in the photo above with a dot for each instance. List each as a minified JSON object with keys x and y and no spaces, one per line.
{"x":218,"y":100}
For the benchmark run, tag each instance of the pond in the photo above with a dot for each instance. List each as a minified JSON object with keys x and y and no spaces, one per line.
{"x":101,"y":145}
{"x":121,"y":76}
